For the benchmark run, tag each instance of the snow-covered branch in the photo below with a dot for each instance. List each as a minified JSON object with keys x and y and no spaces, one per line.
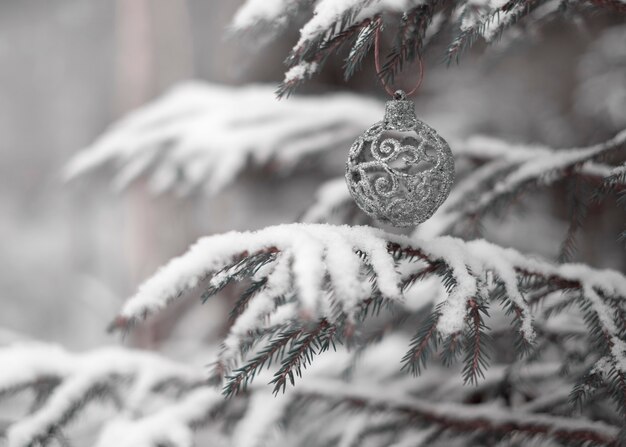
{"x":465,"y":418}
{"x":297,"y":258}
{"x":67,"y":382}
{"x":510,"y":170}
{"x":203,"y":135}
{"x":381,"y":402}
{"x":311,"y":285}
{"x":172,"y":425}
{"x":333,"y":24}
{"x":332,"y":198}
{"x":263,"y":13}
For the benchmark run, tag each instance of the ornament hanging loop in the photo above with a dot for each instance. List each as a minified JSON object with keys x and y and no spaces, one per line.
{"x":379,"y":70}
{"x":399,"y":95}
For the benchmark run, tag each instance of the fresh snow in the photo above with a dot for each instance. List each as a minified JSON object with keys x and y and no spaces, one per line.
{"x":172,"y":425}
{"x":253,"y":12}
{"x":263,"y":413}
{"x":314,"y":252}
{"x":491,"y":413}
{"x":558,"y":160}
{"x":310,"y":249}
{"x":415,"y":438}
{"x":507,"y":168}
{"x":79,"y":374}
{"x":330,"y":196}
{"x":327,"y":13}
{"x":258,"y":310}
{"x":202,"y":136}
{"x":300,"y":72}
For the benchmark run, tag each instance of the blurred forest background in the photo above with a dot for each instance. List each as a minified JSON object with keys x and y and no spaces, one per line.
{"x":71,"y":253}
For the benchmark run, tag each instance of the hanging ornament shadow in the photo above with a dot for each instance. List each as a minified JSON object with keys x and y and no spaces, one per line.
{"x":399,"y":171}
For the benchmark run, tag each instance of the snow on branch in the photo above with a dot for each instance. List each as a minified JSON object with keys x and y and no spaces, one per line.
{"x":490,"y":19}
{"x":203,"y":135}
{"x":513,"y":169}
{"x":310,"y":285}
{"x":463,"y":418}
{"x":294,"y":258}
{"x":256,"y":13}
{"x":331,"y":198}
{"x":172,"y":425}
{"x":331,"y":25}
{"x":66,"y":383}
{"x":263,"y":413}
{"x":366,"y":381}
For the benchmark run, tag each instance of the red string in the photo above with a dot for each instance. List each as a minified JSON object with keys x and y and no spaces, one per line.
{"x":379,"y":70}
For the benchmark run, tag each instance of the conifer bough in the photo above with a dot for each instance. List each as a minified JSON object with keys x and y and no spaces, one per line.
{"x":509,"y":348}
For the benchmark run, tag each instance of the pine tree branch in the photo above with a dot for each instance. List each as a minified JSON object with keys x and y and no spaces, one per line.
{"x":476,"y":360}
{"x":306,"y":263}
{"x":199,"y":137}
{"x":498,"y":183}
{"x":467,"y":418}
{"x":172,"y":425}
{"x":422,"y":344}
{"x":409,"y":39}
{"x":301,"y":354}
{"x":242,"y":376}
{"x":332,"y":21}
{"x":77,"y":380}
{"x":305,"y":63}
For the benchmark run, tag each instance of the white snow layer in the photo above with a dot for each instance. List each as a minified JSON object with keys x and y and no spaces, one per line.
{"x":329,"y":197}
{"x":313,"y":251}
{"x":253,"y":12}
{"x":327,"y":13}
{"x":264,"y":411}
{"x":492,"y":414}
{"x":316,"y":251}
{"x":301,"y":72}
{"x":202,"y":135}
{"x":258,"y":310}
{"x":507,"y":168}
{"x":169,"y":426}
{"x":79,"y":374}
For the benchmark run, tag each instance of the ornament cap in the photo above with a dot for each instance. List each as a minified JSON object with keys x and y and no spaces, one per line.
{"x":400,"y":113}
{"x":400,"y":95}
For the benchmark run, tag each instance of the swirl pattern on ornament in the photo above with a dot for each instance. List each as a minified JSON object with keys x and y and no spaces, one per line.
{"x":400,"y":176}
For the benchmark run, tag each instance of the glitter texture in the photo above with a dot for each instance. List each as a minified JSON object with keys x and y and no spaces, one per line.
{"x":400,"y":114}
{"x":400,"y":170}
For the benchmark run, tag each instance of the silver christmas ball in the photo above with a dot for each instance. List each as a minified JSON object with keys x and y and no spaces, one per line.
{"x":399,"y":171}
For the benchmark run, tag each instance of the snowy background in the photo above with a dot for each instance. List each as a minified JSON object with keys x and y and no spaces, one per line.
{"x":72,"y":252}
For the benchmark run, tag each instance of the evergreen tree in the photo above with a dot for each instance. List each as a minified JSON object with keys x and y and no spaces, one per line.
{"x":345,"y":333}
